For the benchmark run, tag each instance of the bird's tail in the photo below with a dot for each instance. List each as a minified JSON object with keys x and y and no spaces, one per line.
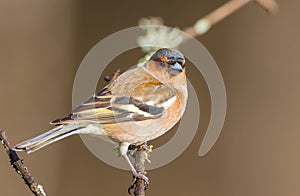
{"x":47,"y":138}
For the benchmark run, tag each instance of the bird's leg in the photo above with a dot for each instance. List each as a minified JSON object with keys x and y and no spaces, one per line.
{"x":123,"y":150}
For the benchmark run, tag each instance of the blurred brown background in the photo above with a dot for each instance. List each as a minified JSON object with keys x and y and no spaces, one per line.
{"x":257,"y":154}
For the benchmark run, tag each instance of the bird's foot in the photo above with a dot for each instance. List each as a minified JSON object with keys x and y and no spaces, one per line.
{"x":136,"y":176}
{"x":140,"y":153}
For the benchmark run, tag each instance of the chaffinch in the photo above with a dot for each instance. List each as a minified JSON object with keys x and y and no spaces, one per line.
{"x":140,"y":105}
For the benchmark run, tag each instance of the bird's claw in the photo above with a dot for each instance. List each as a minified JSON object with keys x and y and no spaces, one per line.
{"x":137,"y":176}
{"x":131,"y":186}
{"x":141,"y":176}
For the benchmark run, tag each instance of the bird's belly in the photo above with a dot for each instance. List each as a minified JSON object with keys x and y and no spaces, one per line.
{"x":138,"y":132}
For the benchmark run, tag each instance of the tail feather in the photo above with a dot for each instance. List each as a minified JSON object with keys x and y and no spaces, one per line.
{"x":47,"y":138}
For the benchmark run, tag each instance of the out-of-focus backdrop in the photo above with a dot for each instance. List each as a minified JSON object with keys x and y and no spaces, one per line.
{"x":257,"y":153}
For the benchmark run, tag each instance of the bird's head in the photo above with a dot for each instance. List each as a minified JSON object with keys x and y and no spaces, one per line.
{"x":166,"y":64}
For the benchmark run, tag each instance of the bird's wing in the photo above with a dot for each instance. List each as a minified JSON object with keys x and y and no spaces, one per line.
{"x":144,"y":101}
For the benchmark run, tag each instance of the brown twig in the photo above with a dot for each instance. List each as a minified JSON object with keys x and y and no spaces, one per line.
{"x":269,"y":5}
{"x":140,"y":154}
{"x":206,"y":22}
{"x":140,"y":157}
{"x":20,"y":168}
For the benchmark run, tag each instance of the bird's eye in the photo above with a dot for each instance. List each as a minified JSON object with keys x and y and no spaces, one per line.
{"x":171,"y":61}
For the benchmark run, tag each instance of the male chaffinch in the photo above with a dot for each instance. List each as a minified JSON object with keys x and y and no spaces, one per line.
{"x":140,"y":105}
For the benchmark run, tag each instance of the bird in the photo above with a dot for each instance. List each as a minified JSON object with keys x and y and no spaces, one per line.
{"x":140,"y":105}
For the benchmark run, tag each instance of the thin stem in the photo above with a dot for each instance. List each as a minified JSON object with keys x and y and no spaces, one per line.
{"x":269,"y":5}
{"x":140,"y":157}
{"x":206,"y":22}
{"x":20,"y":168}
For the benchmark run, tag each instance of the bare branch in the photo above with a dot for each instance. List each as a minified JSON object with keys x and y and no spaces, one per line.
{"x":140,"y":154}
{"x":269,"y":5}
{"x":20,"y":168}
{"x":140,"y":157}
{"x":206,"y":22}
